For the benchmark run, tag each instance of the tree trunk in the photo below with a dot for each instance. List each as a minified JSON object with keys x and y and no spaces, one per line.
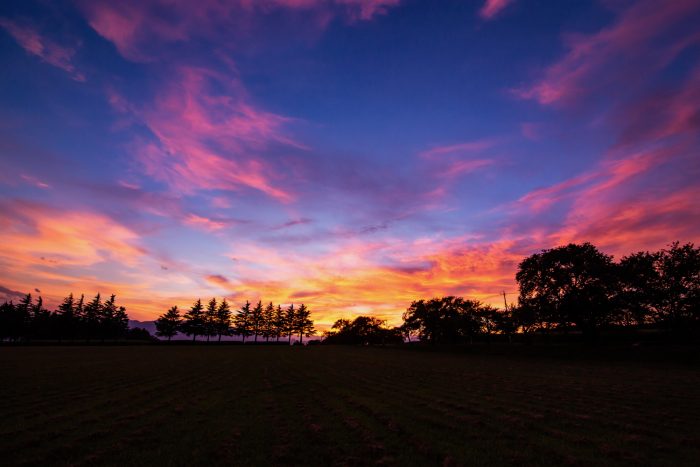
{"x":219,"y":337}
{"x":290,"y":338}
{"x":301,"y":337}
{"x":194,"y":336}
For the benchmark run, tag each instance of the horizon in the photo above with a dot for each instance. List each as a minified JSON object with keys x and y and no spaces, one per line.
{"x":352,"y":155}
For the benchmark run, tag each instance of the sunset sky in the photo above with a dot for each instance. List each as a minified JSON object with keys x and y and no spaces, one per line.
{"x":354,"y":155}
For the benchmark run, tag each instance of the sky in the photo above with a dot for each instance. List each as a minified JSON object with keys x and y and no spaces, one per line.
{"x":353,"y":155}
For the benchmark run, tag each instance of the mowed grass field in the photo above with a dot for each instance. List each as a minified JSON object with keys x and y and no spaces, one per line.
{"x":246,"y":405}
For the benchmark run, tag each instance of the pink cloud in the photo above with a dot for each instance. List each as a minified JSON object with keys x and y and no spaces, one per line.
{"x":35,"y":181}
{"x":136,"y":28}
{"x":493,"y":8}
{"x":208,"y":136}
{"x":645,"y":38}
{"x":458,"y":168}
{"x":41,"y":46}
{"x":206,"y":223}
{"x":461,"y":148}
{"x":452,"y":161}
{"x":662,"y":114}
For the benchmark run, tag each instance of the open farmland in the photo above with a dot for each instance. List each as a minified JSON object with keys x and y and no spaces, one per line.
{"x":341,"y":406}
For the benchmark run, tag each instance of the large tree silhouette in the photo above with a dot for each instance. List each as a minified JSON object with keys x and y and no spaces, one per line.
{"x":679,"y":267}
{"x":569,"y":285}
{"x":363,"y":330}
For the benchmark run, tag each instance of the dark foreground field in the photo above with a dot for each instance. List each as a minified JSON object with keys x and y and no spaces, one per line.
{"x":340,"y":406}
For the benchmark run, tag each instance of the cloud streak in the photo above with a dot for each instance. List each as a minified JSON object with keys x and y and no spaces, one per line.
{"x":49,"y":51}
{"x":493,"y":8}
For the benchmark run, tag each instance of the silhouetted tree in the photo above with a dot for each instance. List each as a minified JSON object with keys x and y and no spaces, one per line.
{"x":223,"y":319}
{"x":242,"y":321}
{"x":80,"y":327}
{"x":193,"y":321}
{"x":505,"y":322}
{"x":92,"y":317}
{"x":13,"y":322}
{"x":107,"y":318}
{"x":114,"y":321}
{"x":679,"y":267}
{"x":640,"y":294}
{"x":363,"y":330}
{"x":41,"y":322}
{"x":290,"y":321}
{"x":210,"y":328}
{"x":279,"y":322}
{"x":65,"y":318}
{"x":572,"y":284}
{"x":303,"y":324}
{"x":447,"y":320}
{"x":168,"y":324}
{"x":268,"y":322}
{"x":23,"y":316}
{"x":256,"y":317}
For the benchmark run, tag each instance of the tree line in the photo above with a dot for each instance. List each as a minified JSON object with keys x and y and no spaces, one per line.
{"x":216,"y":320}
{"x":571,"y":289}
{"x":575,"y":289}
{"x":72,"y":320}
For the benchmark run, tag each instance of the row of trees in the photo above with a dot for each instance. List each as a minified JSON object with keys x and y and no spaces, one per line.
{"x":73,"y":319}
{"x":216,"y":320}
{"x":575,"y":288}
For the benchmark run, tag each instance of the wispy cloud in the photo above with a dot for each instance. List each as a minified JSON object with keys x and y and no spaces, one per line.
{"x":137,"y":28}
{"x":493,"y":8}
{"x":645,"y":38}
{"x":208,"y":136}
{"x":39,"y":45}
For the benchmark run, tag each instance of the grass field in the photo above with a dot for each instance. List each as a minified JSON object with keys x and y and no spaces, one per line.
{"x":340,"y":406}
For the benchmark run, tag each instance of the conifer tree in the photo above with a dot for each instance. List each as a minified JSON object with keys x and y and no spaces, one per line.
{"x":289,"y":321}
{"x":121,"y":321}
{"x":210,"y":319}
{"x":257,"y":319}
{"x":80,"y":316}
{"x":168,"y":324}
{"x":65,"y":318}
{"x":242,"y":321}
{"x":23,"y":316}
{"x":92,"y":316}
{"x":279,"y":322}
{"x":268,"y":326}
{"x":303,"y":324}
{"x":40,"y":320}
{"x":223,"y":319}
{"x":107,"y":319}
{"x":193,"y":324}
